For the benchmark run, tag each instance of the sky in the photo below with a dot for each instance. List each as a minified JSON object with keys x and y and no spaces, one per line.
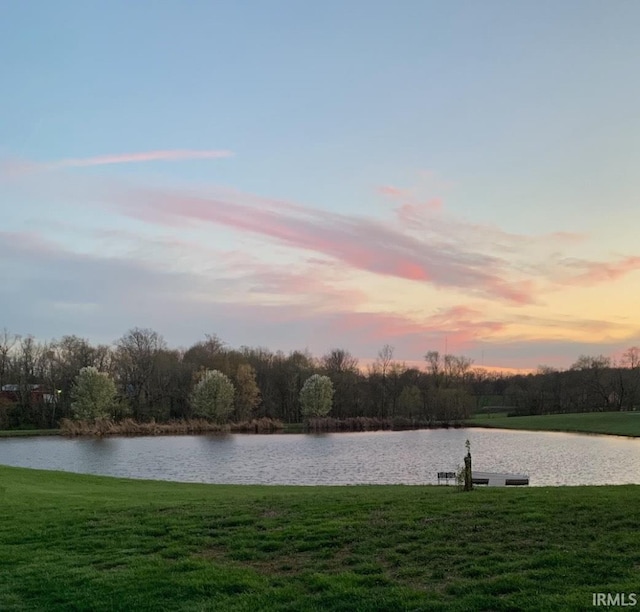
{"x":454,"y":176}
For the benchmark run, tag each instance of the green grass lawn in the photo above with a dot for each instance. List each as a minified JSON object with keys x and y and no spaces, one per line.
{"x":72,"y":542}
{"x":617,"y":423}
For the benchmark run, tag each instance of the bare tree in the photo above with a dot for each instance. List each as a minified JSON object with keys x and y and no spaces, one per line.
{"x":457,"y":368}
{"x":208,"y":354}
{"x":136,"y":361}
{"x":339,"y":360}
{"x":631,"y":358}
{"x":596,"y":374}
{"x":434,"y":367}
{"x":385,"y":358}
{"x":342,"y":368}
{"x":7,"y":342}
{"x":629,"y":378}
{"x":381,"y":369}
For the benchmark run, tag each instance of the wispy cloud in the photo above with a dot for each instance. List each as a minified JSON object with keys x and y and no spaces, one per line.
{"x":358,"y":242}
{"x":394,"y":192}
{"x":458,"y":327}
{"x":427,"y":217}
{"x":16,"y":168}
{"x":135,"y":158}
{"x":593,"y":272}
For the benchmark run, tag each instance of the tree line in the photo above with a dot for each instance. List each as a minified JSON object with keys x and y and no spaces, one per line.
{"x":154,"y":382}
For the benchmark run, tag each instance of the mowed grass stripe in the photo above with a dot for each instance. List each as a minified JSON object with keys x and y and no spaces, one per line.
{"x":615,"y":423}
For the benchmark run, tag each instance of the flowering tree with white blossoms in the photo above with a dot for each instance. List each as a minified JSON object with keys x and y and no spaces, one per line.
{"x":316,"y":396}
{"x":212,"y":397}
{"x":93,"y":395}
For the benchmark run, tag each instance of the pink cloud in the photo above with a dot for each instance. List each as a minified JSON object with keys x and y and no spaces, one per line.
{"x":357,"y":242}
{"x":602,"y":271}
{"x":394,"y":192}
{"x":460,"y":327}
{"x":426,"y":215}
{"x":312,"y":284}
{"x":415,"y":215}
{"x":411,"y":271}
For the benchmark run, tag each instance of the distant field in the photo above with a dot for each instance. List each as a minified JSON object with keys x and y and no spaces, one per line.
{"x":73,"y":542}
{"x":618,"y":423}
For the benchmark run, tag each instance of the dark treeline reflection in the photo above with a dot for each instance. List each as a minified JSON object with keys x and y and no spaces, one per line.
{"x":154,"y":382}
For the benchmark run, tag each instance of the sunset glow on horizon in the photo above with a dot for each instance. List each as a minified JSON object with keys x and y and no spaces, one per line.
{"x":456,"y":177}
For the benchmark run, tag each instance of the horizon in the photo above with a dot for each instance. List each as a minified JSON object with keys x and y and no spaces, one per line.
{"x":459,"y":178}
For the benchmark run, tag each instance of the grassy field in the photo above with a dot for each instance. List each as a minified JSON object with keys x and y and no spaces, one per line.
{"x":72,"y":542}
{"x":617,"y":423}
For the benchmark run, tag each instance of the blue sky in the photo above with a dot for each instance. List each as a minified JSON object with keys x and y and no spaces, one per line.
{"x":413,"y":173}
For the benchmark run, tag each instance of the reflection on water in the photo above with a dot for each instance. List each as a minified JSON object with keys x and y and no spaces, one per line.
{"x":410,"y":457}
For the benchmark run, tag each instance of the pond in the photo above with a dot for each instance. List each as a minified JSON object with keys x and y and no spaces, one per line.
{"x":408,"y":457}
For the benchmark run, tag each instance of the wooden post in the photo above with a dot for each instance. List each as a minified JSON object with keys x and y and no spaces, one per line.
{"x":468,"y":479}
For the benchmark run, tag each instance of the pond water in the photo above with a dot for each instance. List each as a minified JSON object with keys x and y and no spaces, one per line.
{"x":408,"y":457}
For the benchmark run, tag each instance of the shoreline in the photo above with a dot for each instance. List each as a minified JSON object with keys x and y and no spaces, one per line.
{"x":28,"y":433}
{"x":621,"y":424}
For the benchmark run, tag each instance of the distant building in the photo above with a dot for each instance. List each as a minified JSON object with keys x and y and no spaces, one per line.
{"x":16,"y":388}
{"x":36,"y":393}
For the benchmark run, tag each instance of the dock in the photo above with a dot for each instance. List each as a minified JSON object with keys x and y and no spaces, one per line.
{"x":490,"y":479}
{"x":496,"y":479}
